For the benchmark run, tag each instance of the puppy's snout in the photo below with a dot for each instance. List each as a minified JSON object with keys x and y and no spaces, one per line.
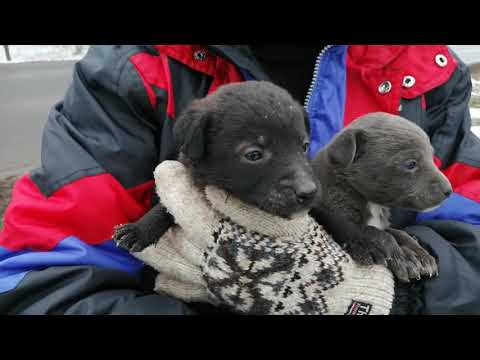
{"x":306,"y":192}
{"x":300,"y":186}
{"x":443,"y":187}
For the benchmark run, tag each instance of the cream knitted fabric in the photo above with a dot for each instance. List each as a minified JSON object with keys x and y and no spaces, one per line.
{"x":229,"y":253}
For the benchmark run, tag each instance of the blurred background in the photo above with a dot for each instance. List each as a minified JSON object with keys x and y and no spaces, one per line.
{"x":35,"y":77}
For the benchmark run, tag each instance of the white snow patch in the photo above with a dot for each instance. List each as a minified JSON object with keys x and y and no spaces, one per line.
{"x":476,"y":130}
{"x":26,"y":53}
{"x":475,"y":87}
{"x":468,"y":53}
{"x":475,"y":114}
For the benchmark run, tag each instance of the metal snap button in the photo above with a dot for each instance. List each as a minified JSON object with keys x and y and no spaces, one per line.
{"x":408,"y":81}
{"x":385,"y":87}
{"x":441,"y":60}
{"x":199,"y":55}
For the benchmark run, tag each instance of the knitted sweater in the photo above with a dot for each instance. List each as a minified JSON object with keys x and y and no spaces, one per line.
{"x":234,"y":255}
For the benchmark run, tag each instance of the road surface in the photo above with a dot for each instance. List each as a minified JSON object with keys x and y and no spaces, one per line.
{"x":27,"y":92}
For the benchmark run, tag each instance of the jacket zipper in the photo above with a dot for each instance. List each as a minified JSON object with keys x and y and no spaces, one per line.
{"x":315,"y":75}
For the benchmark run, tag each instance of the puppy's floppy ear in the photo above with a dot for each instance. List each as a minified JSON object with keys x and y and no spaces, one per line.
{"x":347,"y":147}
{"x":190,"y":131}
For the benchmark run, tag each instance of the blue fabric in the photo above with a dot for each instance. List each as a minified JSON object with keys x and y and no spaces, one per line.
{"x":326,"y":106}
{"x":14,"y":265}
{"x":456,"y":207}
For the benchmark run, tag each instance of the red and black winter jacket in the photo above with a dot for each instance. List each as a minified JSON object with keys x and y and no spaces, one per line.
{"x":114,"y":125}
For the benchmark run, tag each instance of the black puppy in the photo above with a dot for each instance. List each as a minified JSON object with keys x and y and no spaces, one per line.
{"x":251,"y":140}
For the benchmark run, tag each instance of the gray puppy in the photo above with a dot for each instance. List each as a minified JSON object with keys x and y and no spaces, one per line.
{"x":382,"y":161}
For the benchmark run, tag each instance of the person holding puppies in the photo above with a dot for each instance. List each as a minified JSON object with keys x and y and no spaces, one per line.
{"x":114,"y":126}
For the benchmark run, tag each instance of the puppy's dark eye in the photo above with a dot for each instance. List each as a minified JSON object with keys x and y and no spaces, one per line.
{"x":410,"y":165}
{"x":305,"y":147}
{"x":254,"y":155}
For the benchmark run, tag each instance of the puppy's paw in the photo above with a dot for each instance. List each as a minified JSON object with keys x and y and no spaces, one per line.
{"x":372,"y":246}
{"x":427,"y":264}
{"x":376,"y":246}
{"x":402,"y":268}
{"x":359,"y":254}
{"x":131,"y":238}
{"x":416,"y":259}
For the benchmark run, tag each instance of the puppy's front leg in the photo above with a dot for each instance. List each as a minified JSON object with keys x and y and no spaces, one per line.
{"x":366,"y":245}
{"x":418,"y":261}
{"x":137,"y":236}
{"x":342,"y":230}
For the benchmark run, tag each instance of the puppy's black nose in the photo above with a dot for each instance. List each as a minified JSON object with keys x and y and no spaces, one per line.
{"x":443,"y":186}
{"x":446,"y":189}
{"x":306,"y":193}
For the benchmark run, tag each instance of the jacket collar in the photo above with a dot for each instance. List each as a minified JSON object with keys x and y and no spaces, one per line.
{"x":366,"y":56}
{"x":375,"y":56}
{"x":379,"y":63}
{"x":376,"y":63}
{"x":241,"y":56}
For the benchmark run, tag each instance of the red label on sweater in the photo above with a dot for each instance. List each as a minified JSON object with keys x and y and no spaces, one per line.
{"x":358,"y":308}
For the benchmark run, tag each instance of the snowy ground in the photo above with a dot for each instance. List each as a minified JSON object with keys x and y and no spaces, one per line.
{"x":475,"y":104}
{"x":475,"y":114}
{"x":476,"y":87}
{"x":476,"y":130}
{"x":26,"y":53}
{"x":468,"y":53}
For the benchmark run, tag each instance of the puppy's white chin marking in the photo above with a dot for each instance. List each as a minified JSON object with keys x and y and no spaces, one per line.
{"x":379,"y":216}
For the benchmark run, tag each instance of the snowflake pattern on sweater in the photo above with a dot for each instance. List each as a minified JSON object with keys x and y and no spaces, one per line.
{"x":256,"y":274}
